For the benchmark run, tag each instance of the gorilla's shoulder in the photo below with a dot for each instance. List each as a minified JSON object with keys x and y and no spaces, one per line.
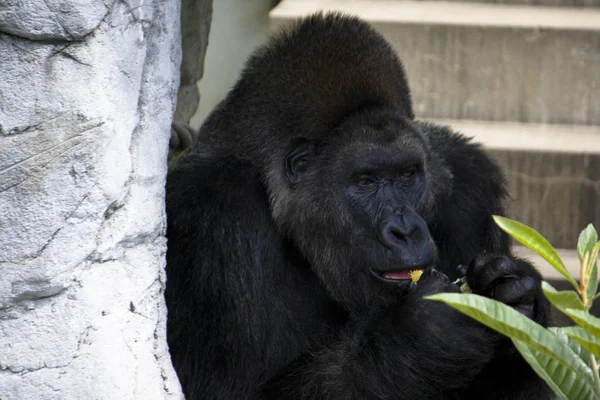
{"x":213,"y":185}
{"x":471,"y":166}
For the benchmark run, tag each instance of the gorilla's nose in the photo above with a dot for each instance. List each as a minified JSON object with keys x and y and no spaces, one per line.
{"x":400,"y":230}
{"x":408,"y":237}
{"x":394,"y":234}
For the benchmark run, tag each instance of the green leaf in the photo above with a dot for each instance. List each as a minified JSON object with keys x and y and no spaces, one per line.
{"x":516,"y":326}
{"x":585,"y":320}
{"x":564,"y":299}
{"x":591,"y":270}
{"x":539,"y":366}
{"x":587,"y":238}
{"x":564,"y":382}
{"x":573,"y":344}
{"x":584,"y":338}
{"x":536,"y":242}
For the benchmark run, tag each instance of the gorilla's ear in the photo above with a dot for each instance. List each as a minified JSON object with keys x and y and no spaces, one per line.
{"x":298,"y":160}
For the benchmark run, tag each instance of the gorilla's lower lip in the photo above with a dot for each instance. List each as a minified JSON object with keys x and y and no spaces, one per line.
{"x":397,"y":275}
{"x":393,"y":276}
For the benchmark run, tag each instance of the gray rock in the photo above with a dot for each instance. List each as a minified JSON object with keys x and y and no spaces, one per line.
{"x":51,"y":19}
{"x":84,"y":128}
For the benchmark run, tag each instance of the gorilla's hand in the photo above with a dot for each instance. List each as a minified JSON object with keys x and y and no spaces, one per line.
{"x":441,"y":323}
{"x":516,"y":283}
{"x":438,"y":317}
{"x":510,"y":281}
{"x":447,"y":349}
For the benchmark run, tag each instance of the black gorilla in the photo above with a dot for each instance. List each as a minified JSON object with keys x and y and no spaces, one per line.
{"x":294,"y":221}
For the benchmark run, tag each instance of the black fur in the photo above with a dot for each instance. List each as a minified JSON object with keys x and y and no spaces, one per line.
{"x":311,"y":184}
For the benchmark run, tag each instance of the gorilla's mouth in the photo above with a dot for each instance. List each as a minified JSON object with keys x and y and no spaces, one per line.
{"x":395,"y":275}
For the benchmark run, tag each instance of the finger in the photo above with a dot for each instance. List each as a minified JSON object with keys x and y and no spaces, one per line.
{"x":185,"y":134}
{"x":187,"y":137}
{"x":174,"y":142}
{"x":526,"y":311}
{"x":433,"y":281}
{"x":515,"y":291}
{"x":462,"y":270}
{"x":484,"y":271}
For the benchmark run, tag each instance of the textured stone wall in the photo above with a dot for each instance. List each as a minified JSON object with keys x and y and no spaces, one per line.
{"x":87,"y":93}
{"x":196,"y":16}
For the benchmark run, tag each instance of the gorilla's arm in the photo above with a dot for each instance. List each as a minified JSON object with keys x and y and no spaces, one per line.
{"x":206,"y":271}
{"x":237,"y":299}
{"x":418,"y":350}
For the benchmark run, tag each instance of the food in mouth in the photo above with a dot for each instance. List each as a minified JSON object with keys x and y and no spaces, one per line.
{"x":415,"y":275}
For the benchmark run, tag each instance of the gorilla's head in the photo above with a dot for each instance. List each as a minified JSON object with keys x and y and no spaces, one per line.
{"x":350,"y":177}
{"x":356,"y":205}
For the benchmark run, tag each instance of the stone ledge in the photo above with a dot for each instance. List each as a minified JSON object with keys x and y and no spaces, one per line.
{"x":569,"y":257}
{"x":500,"y":135}
{"x":552,"y":173}
{"x":535,"y":3}
{"x":492,"y":62}
{"x":446,"y":13}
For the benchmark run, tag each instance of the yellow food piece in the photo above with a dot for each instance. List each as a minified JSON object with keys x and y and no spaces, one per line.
{"x":464,"y":288}
{"x":463,"y":285}
{"x":415,"y":274}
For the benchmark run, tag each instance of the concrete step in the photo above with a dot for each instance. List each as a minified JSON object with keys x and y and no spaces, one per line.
{"x":549,"y":273}
{"x":553,"y":3}
{"x":493,"y":62}
{"x":553,"y":173}
{"x":553,"y":277}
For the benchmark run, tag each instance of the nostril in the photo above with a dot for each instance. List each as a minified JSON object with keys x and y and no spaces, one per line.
{"x":397,"y":234}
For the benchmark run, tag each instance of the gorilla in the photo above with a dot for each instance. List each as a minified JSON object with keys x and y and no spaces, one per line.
{"x":296,"y":218}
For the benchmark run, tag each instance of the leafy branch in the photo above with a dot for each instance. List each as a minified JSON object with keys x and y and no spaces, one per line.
{"x":566,"y":358}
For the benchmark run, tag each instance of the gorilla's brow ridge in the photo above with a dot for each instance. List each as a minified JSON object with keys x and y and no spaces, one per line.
{"x":380,"y":159}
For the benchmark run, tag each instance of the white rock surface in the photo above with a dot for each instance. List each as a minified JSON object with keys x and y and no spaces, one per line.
{"x":87,"y":91}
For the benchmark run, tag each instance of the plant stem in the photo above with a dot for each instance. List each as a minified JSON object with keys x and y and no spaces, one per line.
{"x":583,"y":283}
{"x":584,"y":280}
{"x":596,"y":375}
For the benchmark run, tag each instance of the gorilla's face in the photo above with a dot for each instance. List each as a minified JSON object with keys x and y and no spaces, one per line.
{"x":382,"y":193}
{"x":358,"y":200}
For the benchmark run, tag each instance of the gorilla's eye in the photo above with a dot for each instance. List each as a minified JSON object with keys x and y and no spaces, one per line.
{"x":365,"y":181}
{"x":409,"y":173}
